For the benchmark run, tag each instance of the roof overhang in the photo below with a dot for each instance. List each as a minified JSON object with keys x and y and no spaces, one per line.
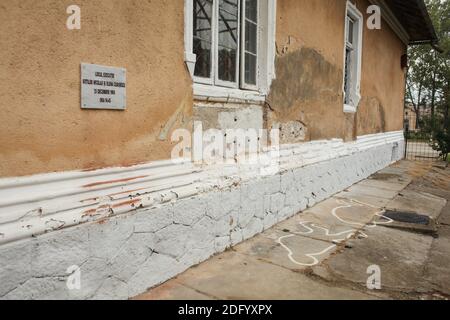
{"x":409,"y":19}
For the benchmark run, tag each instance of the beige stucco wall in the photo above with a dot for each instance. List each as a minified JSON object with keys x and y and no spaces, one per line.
{"x":382,"y":82}
{"x":43,"y":128}
{"x":309,"y":64}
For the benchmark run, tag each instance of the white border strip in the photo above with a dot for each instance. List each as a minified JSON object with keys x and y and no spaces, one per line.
{"x":30,"y":206}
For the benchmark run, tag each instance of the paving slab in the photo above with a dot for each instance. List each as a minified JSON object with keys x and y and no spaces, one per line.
{"x":444,"y":219}
{"x":331,"y":220}
{"x":233,"y":276}
{"x":396,"y":186}
{"x":392,"y":178}
{"x":364,"y":190}
{"x":369,"y":200}
{"x":287,"y":250}
{"x":370,"y":196}
{"x":393,"y":172}
{"x":437,"y":268}
{"x":418,"y":202}
{"x":173,"y":290}
{"x":401,"y":256}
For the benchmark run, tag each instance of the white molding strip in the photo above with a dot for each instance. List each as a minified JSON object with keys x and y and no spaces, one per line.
{"x":30,"y":206}
{"x":222,"y":94}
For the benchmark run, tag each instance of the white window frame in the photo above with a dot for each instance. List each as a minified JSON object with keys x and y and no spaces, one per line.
{"x":355,"y":89}
{"x":215,"y":61}
{"x":204,"y":88}
{"x":202,"y":80}
{"x":245,"y":85}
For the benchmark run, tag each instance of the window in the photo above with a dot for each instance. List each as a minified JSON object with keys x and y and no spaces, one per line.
{"x":202,"y":37}
{"x":225,"y":37}
{"x":349,"y":59}
{"x":352,"y":58}
{"x":230,"y":47}
{"x":249,"y":43}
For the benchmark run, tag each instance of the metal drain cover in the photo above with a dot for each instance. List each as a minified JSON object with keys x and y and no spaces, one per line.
{"x":408,"y":217}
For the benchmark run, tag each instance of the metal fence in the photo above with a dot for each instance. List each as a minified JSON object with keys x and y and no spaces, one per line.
{"x":418,"y":141}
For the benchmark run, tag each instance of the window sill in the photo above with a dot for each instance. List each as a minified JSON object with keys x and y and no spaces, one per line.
{"x":223,"y":94}
{"x":349,"y":109}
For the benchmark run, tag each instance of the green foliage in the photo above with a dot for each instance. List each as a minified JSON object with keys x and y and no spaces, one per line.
{"x":439,"y":129}
{"x":428,"y":83}
{"x":429,"y":72}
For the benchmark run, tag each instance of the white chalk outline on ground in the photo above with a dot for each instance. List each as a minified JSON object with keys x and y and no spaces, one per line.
{"x":351,"y":233}
{"x":309,"y":255}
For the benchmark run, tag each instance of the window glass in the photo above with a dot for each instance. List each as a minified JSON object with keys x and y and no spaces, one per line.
{"x":225,"y":42}
{"x":202,"y":31}
{"x":351,"y":29}
{"x":228,"y":39}
{"x":250,"y":69}
{"x":251,"y":12}
{"x":251,"y":41}
{"x":348,"y":75}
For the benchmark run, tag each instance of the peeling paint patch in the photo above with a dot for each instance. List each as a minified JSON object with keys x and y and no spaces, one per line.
{"x":126,"y":192}
{"x":292,"y":132}
{"x":126,"y":203}
{"x":54,"y":224}
{"x":178,"y":116}
{"x":303,"y":75}
{"x":229,"y":116}
{"x":291,"y":44}
{"x":90,"y":212}
{"x":371,"y":116}
{"x":309,"y":85}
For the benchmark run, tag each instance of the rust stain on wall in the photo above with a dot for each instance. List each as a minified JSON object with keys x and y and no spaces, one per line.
{"x":126,"y":192}
{"x":90,"y":212}
{"x":96,"y":184}
{"x":127,"y":203}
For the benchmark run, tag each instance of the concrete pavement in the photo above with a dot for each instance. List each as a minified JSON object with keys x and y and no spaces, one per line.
{"x":326,"y":251}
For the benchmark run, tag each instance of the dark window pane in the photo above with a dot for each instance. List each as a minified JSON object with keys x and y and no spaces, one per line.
{"x":250,"y":69}
{"x":228,"y":39}
{"x":227,"y":64}
{"x":251,"y":34}
{"x":251,"y":10}
{"x":202,"y":37}
{"x":251,"y":42}
{"x":351,"y":29}
{"x":203,"y":65}
{"x":348,"y":74}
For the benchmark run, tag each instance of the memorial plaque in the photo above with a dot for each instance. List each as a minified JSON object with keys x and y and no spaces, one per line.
{"x":103,"y":87}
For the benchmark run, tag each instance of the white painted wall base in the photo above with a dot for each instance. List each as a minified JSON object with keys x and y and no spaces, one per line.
{"x":132,"y":250}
